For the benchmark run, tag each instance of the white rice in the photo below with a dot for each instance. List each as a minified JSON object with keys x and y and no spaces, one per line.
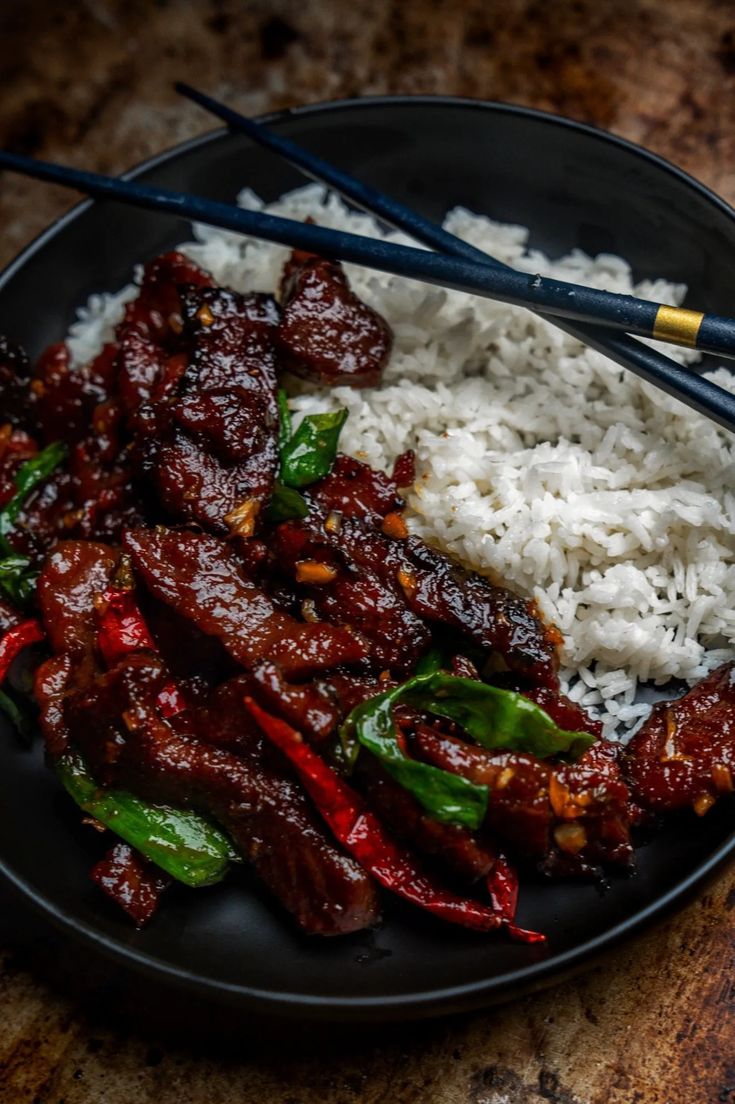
{"x":539,"y":461}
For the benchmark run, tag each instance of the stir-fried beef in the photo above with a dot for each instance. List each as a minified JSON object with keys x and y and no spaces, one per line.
{"x":460,"y":852}
{"x":567,"y":817}
{"x":15,"y":376}
{"x":156,"y":310}
{"x":118,"y":727}
{"x":63,"y":398}
{"x":348,"y":592}
{"x":50,"y":689}
{"x":424,"y":587}
{"x":685,"y":752}
{"x":210,"y":446}
{"x":327,"y":334}
{"x":200,"y":577}
{"x":74,"y":576}
{"x":134,"y":884}
{"x":215,"y":670}
{"x":354,"y":490}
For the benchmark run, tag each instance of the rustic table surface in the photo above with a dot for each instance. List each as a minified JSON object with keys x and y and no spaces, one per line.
{"x":90,"y":83}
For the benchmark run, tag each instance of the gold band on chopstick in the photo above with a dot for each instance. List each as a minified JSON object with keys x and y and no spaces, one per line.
{"x":677,"y":325}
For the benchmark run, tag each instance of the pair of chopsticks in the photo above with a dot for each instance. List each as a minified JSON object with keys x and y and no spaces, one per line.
{"x":600,"y":319}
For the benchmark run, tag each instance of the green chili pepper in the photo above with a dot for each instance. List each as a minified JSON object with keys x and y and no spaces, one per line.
{"x":17,"y":578}
{"x":432,"y":661}
{"x":306,"y":455}
{"x":181,"y":842}
{"x":494,"y":718}
{"x":309,"y":453}
{"x":17,"y":716}
{"x":284,"y":420}
{"x":497,"y":718}
{"x":26,"y":479}
{"x":445,"y":796}
{"x":285,"y":503}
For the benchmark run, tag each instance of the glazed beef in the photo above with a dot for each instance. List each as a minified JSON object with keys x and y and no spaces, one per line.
{"x":200,"y":577}
{"x":684,"y":755}
{"x":327,"y":334}
{"x":568,"y":818}
{"x":415,"y":586}
{"x":461,"y":853}
{"x":15,"y":377}
{"x":118,"y":727}
{"x":131,"y":882}
{"x":74,"y":576}
{"x":209,"y":443}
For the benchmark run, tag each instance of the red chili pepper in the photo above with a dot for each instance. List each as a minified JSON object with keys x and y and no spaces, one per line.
{"x":122,"y":629}
{"x":502,"y":885}
{"x":363,"y":836}
{"x":171,"y":701}
{"x":15,"y":640}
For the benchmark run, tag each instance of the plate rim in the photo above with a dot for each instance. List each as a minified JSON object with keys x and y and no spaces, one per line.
{"x":447,"y":999}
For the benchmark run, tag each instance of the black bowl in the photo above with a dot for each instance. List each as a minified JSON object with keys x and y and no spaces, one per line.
{"x":574,"y":186}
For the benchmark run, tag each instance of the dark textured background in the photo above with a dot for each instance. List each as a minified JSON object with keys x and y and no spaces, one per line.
{"x":90,"y":83}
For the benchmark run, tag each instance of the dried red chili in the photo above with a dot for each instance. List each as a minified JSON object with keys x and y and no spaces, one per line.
{"x":15,"y":640}
{"x":171,"y":701}
{"x":363,"y":836}
{"x":122,"y":629}
{"x":502,"y":886}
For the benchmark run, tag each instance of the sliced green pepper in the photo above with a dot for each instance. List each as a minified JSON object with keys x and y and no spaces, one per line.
{"x":494,"y":718}
{"x":17,"y":577}
{"x":184,"y":844}
{"x":309,"y":453}
{"x":497,"y":718}
{"x":284,"y":420}
{"x":285,"y":503}
{"x":26,"y":479}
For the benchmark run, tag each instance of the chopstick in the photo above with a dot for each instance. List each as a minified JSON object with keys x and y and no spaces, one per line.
{"x":707,"y":398}
{"x":505,"y":285}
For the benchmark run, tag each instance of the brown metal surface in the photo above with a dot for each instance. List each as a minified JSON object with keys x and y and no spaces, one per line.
{"x":89,"y":83}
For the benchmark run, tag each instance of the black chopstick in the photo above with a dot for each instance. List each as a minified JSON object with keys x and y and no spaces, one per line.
{"x":505,"y":285}
{"x":639,"y":358}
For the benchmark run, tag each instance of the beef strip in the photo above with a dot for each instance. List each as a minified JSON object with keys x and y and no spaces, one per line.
{"x":74,"y":574}
{"x":157,"y":311}
{"x":353,"y":489}
{"x":73,"y":577}
{"x":684,"y":755}
{"x":50,"y":684}
{"x":569,"y":818}
{"x":354,"y":596}
{"x":327,"y":334}
{"x":132,"y":882}
{"x":429,"y":587}
{"x":15,"y":377}
{"x":210,"y":443}
{"x":127,"y":743}
{"x":63,"y":397}
{"x":460,"y":852}
{"x":200,"y":577}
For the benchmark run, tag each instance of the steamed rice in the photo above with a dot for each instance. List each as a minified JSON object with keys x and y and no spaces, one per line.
{"x":539,"y":461}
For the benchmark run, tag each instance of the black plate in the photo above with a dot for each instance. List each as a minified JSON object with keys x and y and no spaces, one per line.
{"x":574,"y":186}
